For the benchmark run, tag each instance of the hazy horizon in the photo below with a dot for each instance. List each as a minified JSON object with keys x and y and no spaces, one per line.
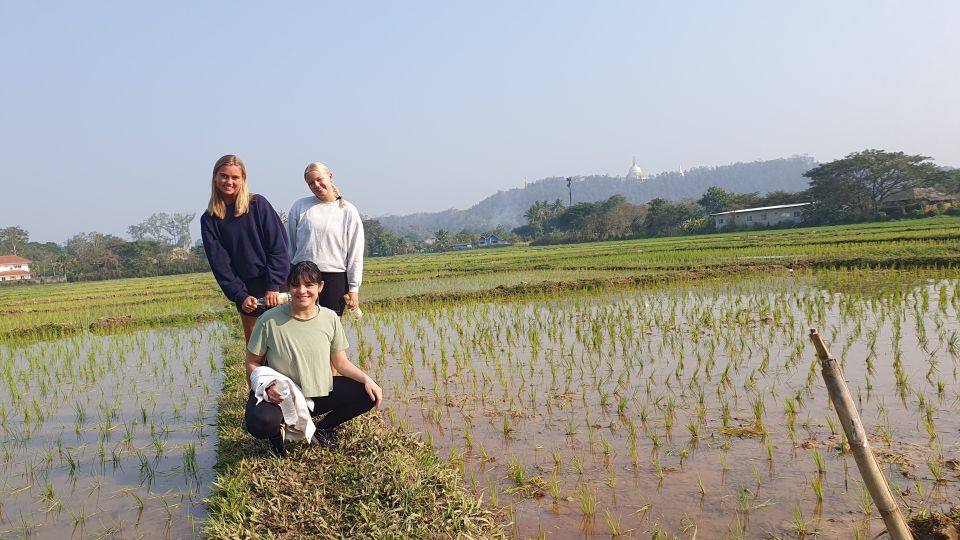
{"x":115,"y":111}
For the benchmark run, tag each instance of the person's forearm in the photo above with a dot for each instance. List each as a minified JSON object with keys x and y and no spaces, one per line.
{"x":346,"y":368}
{"x":251,"y":362}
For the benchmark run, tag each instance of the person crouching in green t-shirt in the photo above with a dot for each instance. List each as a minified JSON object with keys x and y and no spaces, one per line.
{"x":303,"y":341}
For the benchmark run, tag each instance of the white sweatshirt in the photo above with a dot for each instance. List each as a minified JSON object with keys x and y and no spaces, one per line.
{"x":330,"y":236}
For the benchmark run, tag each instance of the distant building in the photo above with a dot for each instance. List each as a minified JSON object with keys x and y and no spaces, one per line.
{"x":461,"y":246}
{"x":492,"y":240}
{"x":13,"y":268}
{"x":763,"y":215}
{"x":924,"y":199}
{"x":636,"y":173}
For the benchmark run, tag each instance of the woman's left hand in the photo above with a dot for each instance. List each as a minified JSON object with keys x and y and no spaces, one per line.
{"x":353,"y":300}
{"x":374,"y":391}
{"x":274,"y":395}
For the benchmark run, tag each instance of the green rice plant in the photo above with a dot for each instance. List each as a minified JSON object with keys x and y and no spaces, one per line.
{"x":588,"y":500}
{"x":800,"y":525}
{"x":743,"y":500}
{"x":139,"y":502}
{"x":866,"y":503}
{"x":516,"y":472}
{"x":50,"y":498}
{"x":832,"y":425}
{"x":817,"y":484}
{"x":555,"y":484}
{"x":818,"y":460}
{"x":659,"y":534}
{"x":613,"y":523}
{"x":937,"y":470}
{"x":78,"y":518}
{"x":578,"y":463}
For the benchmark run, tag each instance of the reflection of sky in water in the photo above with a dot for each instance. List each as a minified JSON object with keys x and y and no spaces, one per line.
{"x":678,"y":357}
{"x":94,"y":425}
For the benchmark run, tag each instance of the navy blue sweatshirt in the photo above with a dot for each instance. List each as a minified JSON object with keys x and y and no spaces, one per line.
{"x":248,"y":254}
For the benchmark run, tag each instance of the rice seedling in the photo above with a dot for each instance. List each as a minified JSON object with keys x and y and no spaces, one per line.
{"x":866,"y":503}
{"x":588,"y":500}
{"x":613,"y":523}
{"x":937,"y":470}
{"x":800,"y":525}
{"x":817,"y":484}
{"x":818,"y":460}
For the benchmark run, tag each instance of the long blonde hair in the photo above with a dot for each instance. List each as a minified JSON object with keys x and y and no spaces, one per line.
{"x":217,"y":207}
{"x":324,"y":170}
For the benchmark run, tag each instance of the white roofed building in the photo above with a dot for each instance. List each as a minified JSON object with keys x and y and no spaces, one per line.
{"x":766,"y":216}
{"x":13,"y":268}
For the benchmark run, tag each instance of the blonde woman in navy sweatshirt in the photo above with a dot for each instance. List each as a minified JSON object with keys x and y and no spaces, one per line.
{"x":245,"y":243}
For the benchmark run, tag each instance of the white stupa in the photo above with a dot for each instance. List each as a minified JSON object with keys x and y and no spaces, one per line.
{"x":635,"y":172}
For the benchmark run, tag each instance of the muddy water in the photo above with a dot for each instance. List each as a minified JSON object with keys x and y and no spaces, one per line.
{"x":109,"y":436}
{"x":688,"y":410}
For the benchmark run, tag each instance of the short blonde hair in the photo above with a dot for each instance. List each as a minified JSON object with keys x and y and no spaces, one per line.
{"x":325,"y":171}
{"x":217,"y":207}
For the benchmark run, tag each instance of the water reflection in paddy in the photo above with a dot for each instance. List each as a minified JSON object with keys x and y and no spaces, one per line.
{"x":110,"y":435}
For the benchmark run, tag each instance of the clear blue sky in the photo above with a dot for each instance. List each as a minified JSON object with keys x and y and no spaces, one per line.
{"x":115,"y":110}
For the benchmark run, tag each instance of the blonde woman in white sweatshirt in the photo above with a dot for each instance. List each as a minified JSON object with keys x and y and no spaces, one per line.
{"x":326,"y":229}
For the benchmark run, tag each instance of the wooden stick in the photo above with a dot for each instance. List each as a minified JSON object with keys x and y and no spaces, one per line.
{"x":859,"y":445}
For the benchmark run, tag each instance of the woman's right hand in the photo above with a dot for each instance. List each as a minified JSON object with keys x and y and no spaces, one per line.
{"x":249,"y":304}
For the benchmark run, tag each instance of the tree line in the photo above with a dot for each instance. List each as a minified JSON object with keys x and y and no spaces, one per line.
{"x":848,"y":190}
{"x":852,"y":189}
{"x":160,"y":245}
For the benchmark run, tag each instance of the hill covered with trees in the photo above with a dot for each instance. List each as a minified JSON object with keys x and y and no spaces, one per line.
{"x":507,"y":208}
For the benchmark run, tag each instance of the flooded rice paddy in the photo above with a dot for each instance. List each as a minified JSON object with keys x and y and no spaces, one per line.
{"x":109,"y":436}
{"x":690,"y":409}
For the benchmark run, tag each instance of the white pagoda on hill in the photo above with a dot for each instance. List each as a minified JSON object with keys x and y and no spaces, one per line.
{"x":636,"y":173}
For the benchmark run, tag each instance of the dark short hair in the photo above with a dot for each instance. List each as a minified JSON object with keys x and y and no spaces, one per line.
{"x":304,"y":271}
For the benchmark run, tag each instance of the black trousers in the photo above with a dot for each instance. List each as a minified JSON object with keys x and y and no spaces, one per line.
{"x":334,"y":287}
{"x":347,"y":401}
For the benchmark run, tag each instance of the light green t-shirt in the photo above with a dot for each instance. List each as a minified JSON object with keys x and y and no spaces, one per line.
{"x":300,"y":349}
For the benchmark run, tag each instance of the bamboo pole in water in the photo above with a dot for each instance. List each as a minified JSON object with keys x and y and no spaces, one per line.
{"x":859,"y":445}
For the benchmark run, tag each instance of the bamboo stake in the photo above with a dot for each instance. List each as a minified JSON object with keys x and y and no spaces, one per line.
{"x":859,"y":445}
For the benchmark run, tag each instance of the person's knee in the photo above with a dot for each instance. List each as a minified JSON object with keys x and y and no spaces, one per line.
{"x":261,"y":425}
{"x":364,"y":403}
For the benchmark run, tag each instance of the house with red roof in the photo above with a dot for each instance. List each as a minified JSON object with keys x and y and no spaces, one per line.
{"x":14,"y":268}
